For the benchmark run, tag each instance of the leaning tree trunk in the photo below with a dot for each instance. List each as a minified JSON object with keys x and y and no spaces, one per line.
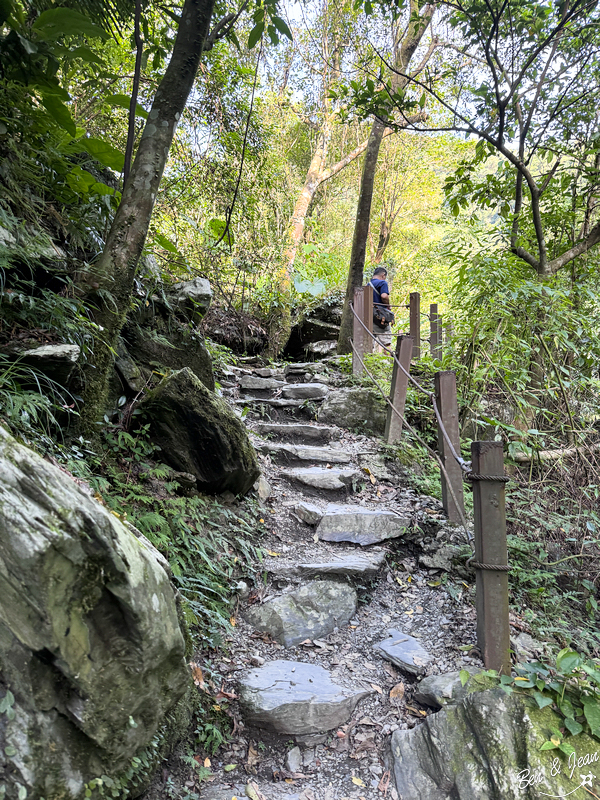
{"x":404,"y":53}
{"x":117,"y":265}
{"x":361,"y":232}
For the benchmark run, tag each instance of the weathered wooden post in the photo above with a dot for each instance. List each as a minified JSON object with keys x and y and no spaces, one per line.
{"x":435,"y":332}
{"x":415,"y":323}
{"x":368,"y":319}
{"x":393,"y":424}
{"x":445,"y":395}
{"x":491,"y":555}
{"x":357,"y":331}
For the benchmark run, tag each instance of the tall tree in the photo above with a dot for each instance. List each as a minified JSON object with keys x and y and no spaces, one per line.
{"x":404,"y":47}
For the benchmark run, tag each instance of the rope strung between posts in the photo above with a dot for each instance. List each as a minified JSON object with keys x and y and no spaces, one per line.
{"x":464,"y":465}
{"x":429,"y":450}
{"x":472,"y":476}
{"x":491,"y":567}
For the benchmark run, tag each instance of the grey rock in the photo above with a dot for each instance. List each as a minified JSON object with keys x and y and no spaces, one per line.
{"x":322,"y":348}
{"x":362,"y":409}
{"x":297,"y":431}
{"x":56,"y":361}
{"x":268,"y":372}
{"x":442,"y":558}
{"x":293,"y":453}
{"x":263,"y":489}
{"x":293,"y":760}
{"x":310,"y":612}
{"x":299,"y":368}
{"x":360,"y":525}
{"x":305,"y":391}
{"x":252,"y":383}
{"x":274,"y":402}
{"x":193,"y":298}
{"x":353,"y":564}
{"x":442,"y":690}
{"x":405,"y":652}
{"x":308,"y":513}
{"x":526,"y":647}
{"x":483,"y":748}
{"x":89,"y":634}
{"x":294,"y":698}
{"x":311,"y":739}
{"x":132,"y":377}
{"x":317,"y":478}
{"x":199,"y":433}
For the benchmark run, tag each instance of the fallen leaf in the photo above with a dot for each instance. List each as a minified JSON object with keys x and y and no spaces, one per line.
{"x":378,"y":689}
{"x":207,"y":763}
{"x":372,"y":479}
{"x":434,"y":583}
{"x":233,"y":621}
{"x":366,"y":721}
{"x":253,"y":757}
{"x":261,"y":520}
{"x":384,"y":782}
{"x":197,"y":675}
{"x":307,"y":643}
{"x":397,"y":692}
{"x":357,"y":782}
{"x":253,"y":792}
{"x":229,"y":767}
{"x":416,"y":712}
{"x":273,"y":553}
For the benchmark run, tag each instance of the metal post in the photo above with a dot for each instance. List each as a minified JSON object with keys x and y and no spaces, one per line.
{"x":415,"y":323}
{"x":368,"y":319}
{"x":393,"y":424}
{"x":357,"y":331}
{"x":435,"y":332}
{"x":493,"y":632}
{"x":445,"y":395}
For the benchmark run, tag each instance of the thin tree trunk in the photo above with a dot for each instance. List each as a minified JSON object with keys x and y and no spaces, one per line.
{"x":361,"y":232}
{"x":117,"y":265}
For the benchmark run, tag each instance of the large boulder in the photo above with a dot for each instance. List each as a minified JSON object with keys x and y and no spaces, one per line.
{"x":199,"y":433}
{"x":55,"y":361}
{"x":90,"y":646}
{"x":487,"y":747}
{"x":361,"y":409}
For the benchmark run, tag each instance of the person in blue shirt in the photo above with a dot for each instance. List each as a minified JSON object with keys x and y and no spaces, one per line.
{"x":381,"y":296}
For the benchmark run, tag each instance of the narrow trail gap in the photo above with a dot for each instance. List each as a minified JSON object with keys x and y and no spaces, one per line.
{"x":319,"y":484}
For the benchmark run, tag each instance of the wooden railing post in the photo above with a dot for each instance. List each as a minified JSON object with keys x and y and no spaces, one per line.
{"x":435,"y":332}
{"x":368,"y":319}
{"x":415,"y":323}
{"x":493,"y":632}
{"x":357,"y":331}
{"x":445,"y":395}
{"x":393,"y":424}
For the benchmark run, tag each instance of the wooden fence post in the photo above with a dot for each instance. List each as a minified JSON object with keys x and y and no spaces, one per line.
{"x":415,"y":323}
{"x":393,"y":424}
{"x":493,"y":631}
{"x":368,"y":319}
{"x":357,"y":331}
{"x":435,"y":332}
{"x":445,"y":395}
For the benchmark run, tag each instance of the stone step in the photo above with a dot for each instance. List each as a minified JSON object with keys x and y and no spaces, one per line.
{"x":295,"y":699}
{"x":292,"y":453}
{"x":310,"y":612}
{"x":352,"y":564}
{"x":318,"y":478}
{"x":297,"y":432}
{"x":305,"y":391}
{"x":404,"y":652}
{"x":360,"y":525}
{"x":274,"y":402}
{"x":255,"y":383}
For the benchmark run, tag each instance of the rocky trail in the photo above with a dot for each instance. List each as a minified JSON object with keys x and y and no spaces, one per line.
{"x":354,"y":632}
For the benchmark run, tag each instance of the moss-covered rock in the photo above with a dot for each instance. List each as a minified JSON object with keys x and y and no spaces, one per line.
{"x":199,"y":433}
{"x":90,"y":644}
{"x":487,"y":747}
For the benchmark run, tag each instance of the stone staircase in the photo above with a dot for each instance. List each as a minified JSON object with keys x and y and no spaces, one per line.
{"x":332,"y":653}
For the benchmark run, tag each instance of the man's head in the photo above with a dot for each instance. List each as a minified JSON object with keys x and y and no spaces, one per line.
{"x":380,"y":272}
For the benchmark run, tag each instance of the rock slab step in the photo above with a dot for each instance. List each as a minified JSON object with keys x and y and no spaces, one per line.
{"x":297,"y":431}
{"x":300,"y":452}
{"x":318,"y":478}
{"x":308,"y":512}
{"x":405,"y":652}
{"x":305,"y":391}
{"x":252,"y":382}
{"x":360,"y":525}
{"x":310,"y":612}
{"x":294,"y":698}
{"x":438,"y":691}
{"x":365,"y":564}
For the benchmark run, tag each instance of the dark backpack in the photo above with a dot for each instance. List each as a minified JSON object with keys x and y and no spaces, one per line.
{"x":382,"y":315}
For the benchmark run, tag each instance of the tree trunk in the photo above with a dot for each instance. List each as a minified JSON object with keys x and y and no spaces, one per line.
{"x":361,"y":232}
{"x":116,"y":267}
{"x":405,"y":50}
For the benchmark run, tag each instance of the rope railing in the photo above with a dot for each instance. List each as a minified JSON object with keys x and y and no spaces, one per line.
{"x":464,"y":465}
